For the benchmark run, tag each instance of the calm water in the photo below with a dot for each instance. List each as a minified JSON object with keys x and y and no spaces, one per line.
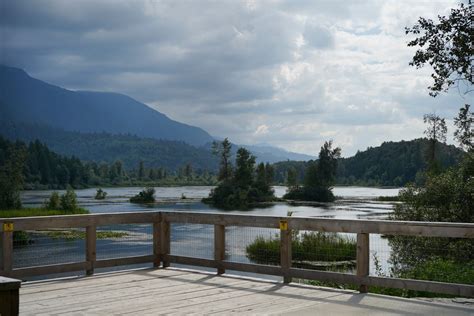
{"x":356,"y":202}
{"x":187,"y":239}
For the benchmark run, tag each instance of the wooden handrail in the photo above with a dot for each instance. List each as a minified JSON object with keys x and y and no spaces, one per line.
{"x":161,"y":256}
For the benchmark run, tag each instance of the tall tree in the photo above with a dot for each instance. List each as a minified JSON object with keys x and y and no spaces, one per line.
{"x":224,"y":149}
{"x":244,"y":168}
{"x":327,"y":164}
{"x":436,"y":132}
{"x":11,"y":176}
{"x":188,"y":171}
{"x":261,"y":178}
{"x":464,"y":133}
{"x":269,"y":173}
{"x":141,"y":171}
{"x":291,"y":179}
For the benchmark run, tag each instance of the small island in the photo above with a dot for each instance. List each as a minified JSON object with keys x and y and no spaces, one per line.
{"x":243,"y":186}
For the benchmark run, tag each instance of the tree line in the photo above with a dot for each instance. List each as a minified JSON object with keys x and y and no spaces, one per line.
{"x":35,"y":166}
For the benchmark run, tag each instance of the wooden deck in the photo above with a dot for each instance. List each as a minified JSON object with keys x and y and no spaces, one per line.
{"x":179,"y":291}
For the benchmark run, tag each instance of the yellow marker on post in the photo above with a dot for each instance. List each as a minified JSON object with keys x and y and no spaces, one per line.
{"x":283,"y":225}
{"x":7,"y":227}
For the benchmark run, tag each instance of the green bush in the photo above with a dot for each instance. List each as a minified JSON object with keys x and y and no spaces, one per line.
{"x":68,"y":200}
{"x":54,"y":202}
{"x":147,"y":195}
{"x":21,"y":238}
{"x":100,"y":194}
{"x":445,"y":197}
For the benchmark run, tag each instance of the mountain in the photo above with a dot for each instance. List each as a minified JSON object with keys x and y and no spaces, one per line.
{"x":29,"y":100}
{"x":26,"y":100}
{"x":390,"y":164}
{"x":272,"y":154}
{"x":266,"y":153}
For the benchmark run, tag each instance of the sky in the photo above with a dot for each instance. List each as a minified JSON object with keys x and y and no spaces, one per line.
{"x":291,"y":74}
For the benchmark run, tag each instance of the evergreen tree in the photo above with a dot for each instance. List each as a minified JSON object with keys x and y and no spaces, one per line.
{"x":291,"y":179}
{"x":465,"y":133}
{"x":224,"y":149}
{"x":247,"y":184}
{"x":327,"y":164}
{"x":141,"y":171}
{"x":436,"y":132}
{"x":261,"y":178}
{"x":244,"y":168}
{"x":12,"y":163}
{"x":269,"y":173}
{"x":319,"y":177}
{"x":188,"y":171}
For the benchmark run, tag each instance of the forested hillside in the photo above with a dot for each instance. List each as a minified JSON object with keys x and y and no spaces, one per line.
{"x":43,"y":168}
{"x":391,"y":164}
{"x":26,"y":99}
{"x":105,"y":147}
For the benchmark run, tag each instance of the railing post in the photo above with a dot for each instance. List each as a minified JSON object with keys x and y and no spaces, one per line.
{"x":7,"y":249}
{"x":9,"y":296}
{"x":363,"y":251}
{"x":285,"y":250}
{"x":165,"y":242}
{"x":219,"y":247}
{"x":156,"y":244}
{"x":91,"y":240}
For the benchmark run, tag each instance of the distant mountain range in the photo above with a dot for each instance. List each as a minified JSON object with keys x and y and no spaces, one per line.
{"x":106,"y":127}
{"x":68,"y":121}
{"x":28,"y":100}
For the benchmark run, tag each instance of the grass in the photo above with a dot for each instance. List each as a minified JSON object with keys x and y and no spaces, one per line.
{"x":77,"y":234}
{"x":29,"y":212}
{"x":306,"y":247}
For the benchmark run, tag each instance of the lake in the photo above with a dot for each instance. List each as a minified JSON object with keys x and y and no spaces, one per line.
{"x":356,"y":202}
{"x":193,"y":240}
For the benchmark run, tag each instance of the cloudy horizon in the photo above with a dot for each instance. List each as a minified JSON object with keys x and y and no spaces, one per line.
{"x":289,"y":74}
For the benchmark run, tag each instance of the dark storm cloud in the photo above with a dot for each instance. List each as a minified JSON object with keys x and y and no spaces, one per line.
{"x":276,"y":71}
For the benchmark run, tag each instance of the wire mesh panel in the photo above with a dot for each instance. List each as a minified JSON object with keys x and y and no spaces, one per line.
{"x":52,"y":246}
{"x":434,"y":259}
{"x":253,"y":245}
{"x":324,"y":251}
{"x":124,"y":240}
{"x":192,"y":240}
{"x":380,"y":251}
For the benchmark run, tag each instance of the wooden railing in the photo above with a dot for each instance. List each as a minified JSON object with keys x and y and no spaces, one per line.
{"x":161,"y":245}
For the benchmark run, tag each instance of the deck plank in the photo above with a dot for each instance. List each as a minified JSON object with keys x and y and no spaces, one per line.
{"x":179,"y":291}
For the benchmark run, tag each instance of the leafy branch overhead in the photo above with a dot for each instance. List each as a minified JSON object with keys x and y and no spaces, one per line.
{"x":448,"y":46}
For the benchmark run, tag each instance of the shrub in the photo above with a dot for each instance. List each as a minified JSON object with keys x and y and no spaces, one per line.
{"x":54,"y":202}
{"x":147,"y":195}
{"x":68,"y":200}
{"x":100,"y":194}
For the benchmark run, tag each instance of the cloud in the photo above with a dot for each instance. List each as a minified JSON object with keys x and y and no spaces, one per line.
{"x":317,"y":36}
{"x":261,"y":130}
{"x":289,"y":73}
